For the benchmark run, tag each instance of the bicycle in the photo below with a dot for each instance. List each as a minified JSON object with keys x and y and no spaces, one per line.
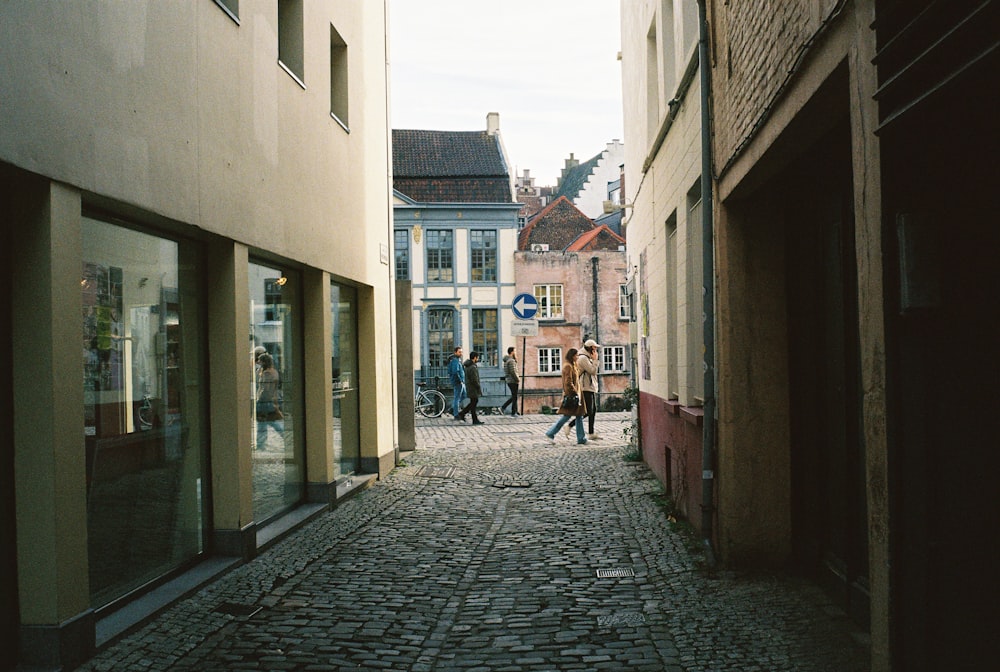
{"x":429,"y":403}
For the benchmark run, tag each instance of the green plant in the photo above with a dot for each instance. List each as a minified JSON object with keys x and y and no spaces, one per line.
{"x":614,"y":404}
{"x":633,"y":434}
{"x":677,"y":523}
{"x":631,"y":396}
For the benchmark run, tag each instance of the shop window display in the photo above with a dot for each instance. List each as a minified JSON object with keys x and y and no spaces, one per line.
{"x":143,"y":409}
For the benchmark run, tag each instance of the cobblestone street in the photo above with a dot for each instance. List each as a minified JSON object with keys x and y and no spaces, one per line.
{"x":491,"y":549}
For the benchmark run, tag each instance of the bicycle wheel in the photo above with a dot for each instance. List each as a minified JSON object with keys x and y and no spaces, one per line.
{"x":430,"y":403}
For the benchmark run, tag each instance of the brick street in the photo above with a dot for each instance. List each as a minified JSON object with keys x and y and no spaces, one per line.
{"x":491,"y":549}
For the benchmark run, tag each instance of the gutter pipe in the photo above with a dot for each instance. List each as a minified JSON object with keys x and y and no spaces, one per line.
{"x":708,"y":288}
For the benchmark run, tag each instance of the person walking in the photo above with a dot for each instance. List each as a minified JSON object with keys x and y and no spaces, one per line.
{"x":570,"y":388}
{"x":472,"y":388}
{"x":587,"y":363}
{"x":456,"y":373}
{"x":268,"y":406}
{"x":513,"y":380}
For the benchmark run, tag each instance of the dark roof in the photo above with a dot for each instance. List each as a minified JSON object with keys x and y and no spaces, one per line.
{"x":574,"y":178}
{"x":446,"y":154}
{"x":450,"y":167}
{"x":557,"y":226}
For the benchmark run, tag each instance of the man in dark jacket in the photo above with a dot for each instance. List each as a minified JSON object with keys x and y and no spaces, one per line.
{"x":513,"y":380}
{"x":472,"y":388}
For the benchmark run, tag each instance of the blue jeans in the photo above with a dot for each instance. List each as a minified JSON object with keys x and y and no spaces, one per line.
{"x":456,"y":403}
{"x":262,"y":425}
{"x":558,"y":424}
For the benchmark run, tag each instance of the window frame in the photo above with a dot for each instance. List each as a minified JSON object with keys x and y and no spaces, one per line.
{"x":548,"y":368}
{"x":488,"y":353}
{"x":446,"y":349}
{"x":433,"y":246}
{"x":401,"y":236}
{"x":610,"y":355}
{"x":482,"y":248}
{"x":545,"y":301}
{"x":624,"y":303}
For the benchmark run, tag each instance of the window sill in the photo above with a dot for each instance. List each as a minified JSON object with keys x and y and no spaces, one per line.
{"x":337,"y":119}
{"x":292,"y":75}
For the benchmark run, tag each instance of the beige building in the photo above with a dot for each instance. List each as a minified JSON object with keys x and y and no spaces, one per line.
{"x":185,"y":186}
{"x":663,"y":204}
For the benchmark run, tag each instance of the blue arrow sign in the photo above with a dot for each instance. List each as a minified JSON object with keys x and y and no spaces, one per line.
{"x":525,"y":306}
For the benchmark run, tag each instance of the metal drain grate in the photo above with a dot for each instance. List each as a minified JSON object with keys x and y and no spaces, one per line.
{"x":436,"y":472}
{"x":629,"y":618}
{"x":614,"y":573}
{"x":234,"y":609}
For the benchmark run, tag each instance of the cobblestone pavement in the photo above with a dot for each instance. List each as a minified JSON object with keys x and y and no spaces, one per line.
{"x":492,"y":550}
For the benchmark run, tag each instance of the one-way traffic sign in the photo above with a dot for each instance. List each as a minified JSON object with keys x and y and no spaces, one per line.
{"x":525,"y":306}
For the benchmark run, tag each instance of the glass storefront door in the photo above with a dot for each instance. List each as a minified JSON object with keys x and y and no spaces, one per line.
{"x":275,"y":397}
{"x":144,"y":411}
{"x":346,"y":435}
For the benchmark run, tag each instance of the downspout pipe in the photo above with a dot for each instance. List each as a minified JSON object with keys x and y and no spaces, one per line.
{"x":595,"y":275}
{"x":708,"y":288}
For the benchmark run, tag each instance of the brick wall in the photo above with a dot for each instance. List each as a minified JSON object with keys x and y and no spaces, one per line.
{"x":755,"y":43}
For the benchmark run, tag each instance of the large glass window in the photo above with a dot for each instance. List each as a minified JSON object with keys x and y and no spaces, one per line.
{"x":440,"y":336}
{"x":144,"y":411}
{"x":483,"y":253}
{"x":401,"y":245}
{"x":278,"y":448}
{"x":550,"y":301}
{"x":484,"y":335}
{"x":344,"y":349}
{"x":440,"y":256}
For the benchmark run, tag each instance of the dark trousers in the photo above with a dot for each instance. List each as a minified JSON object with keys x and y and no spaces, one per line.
{"x":470,"y":408}
{"x":512,"y":402}
{"x":589,"y":398}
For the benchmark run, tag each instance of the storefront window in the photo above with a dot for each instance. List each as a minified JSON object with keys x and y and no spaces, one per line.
{"x":346,"y":436}
{"x":144,"y":420}
{"x":278,"y":448}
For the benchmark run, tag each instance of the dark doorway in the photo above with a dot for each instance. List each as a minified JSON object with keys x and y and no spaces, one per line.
{"x":941,"y":198}
{"x":830,"y":534}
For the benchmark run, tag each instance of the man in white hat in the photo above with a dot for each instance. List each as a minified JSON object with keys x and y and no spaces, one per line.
{"x":587,"y":363}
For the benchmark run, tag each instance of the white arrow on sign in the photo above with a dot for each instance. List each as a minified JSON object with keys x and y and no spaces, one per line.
{"x":525,"y":306}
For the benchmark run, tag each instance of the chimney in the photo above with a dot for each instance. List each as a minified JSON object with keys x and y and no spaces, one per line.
{"x":492,"y":123}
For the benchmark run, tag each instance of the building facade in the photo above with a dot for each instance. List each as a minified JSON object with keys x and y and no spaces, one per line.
{"x":586,"y":184}
{"x":576,"y":271}
{"x":199,"y":364}
{"x":851,"y":198}
{"x":456,"y":224}
{"x":663,"y":206}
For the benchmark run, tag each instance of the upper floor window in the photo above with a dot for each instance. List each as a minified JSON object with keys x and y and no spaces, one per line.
{"x":290,"y":38}
{"x":483,"y":252}
{"x":401,"y":245}
{"x":613,"y":358}
{"x":550,"y":301}
{"x":624,"y":303}
{"x":485,"y":335}
{"x":338,"y":77}
{"x":549,"y":360}
{"x":230,"y":7}
{"x":440,"y":256}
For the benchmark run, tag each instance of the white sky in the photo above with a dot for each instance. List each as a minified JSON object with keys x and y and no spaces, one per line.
{"x":549,"y":67}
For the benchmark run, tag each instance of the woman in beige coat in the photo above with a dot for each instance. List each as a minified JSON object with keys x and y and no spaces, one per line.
{"x":571,"y":386}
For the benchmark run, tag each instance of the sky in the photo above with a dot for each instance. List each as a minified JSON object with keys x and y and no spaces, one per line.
{"x":549,"y":67}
